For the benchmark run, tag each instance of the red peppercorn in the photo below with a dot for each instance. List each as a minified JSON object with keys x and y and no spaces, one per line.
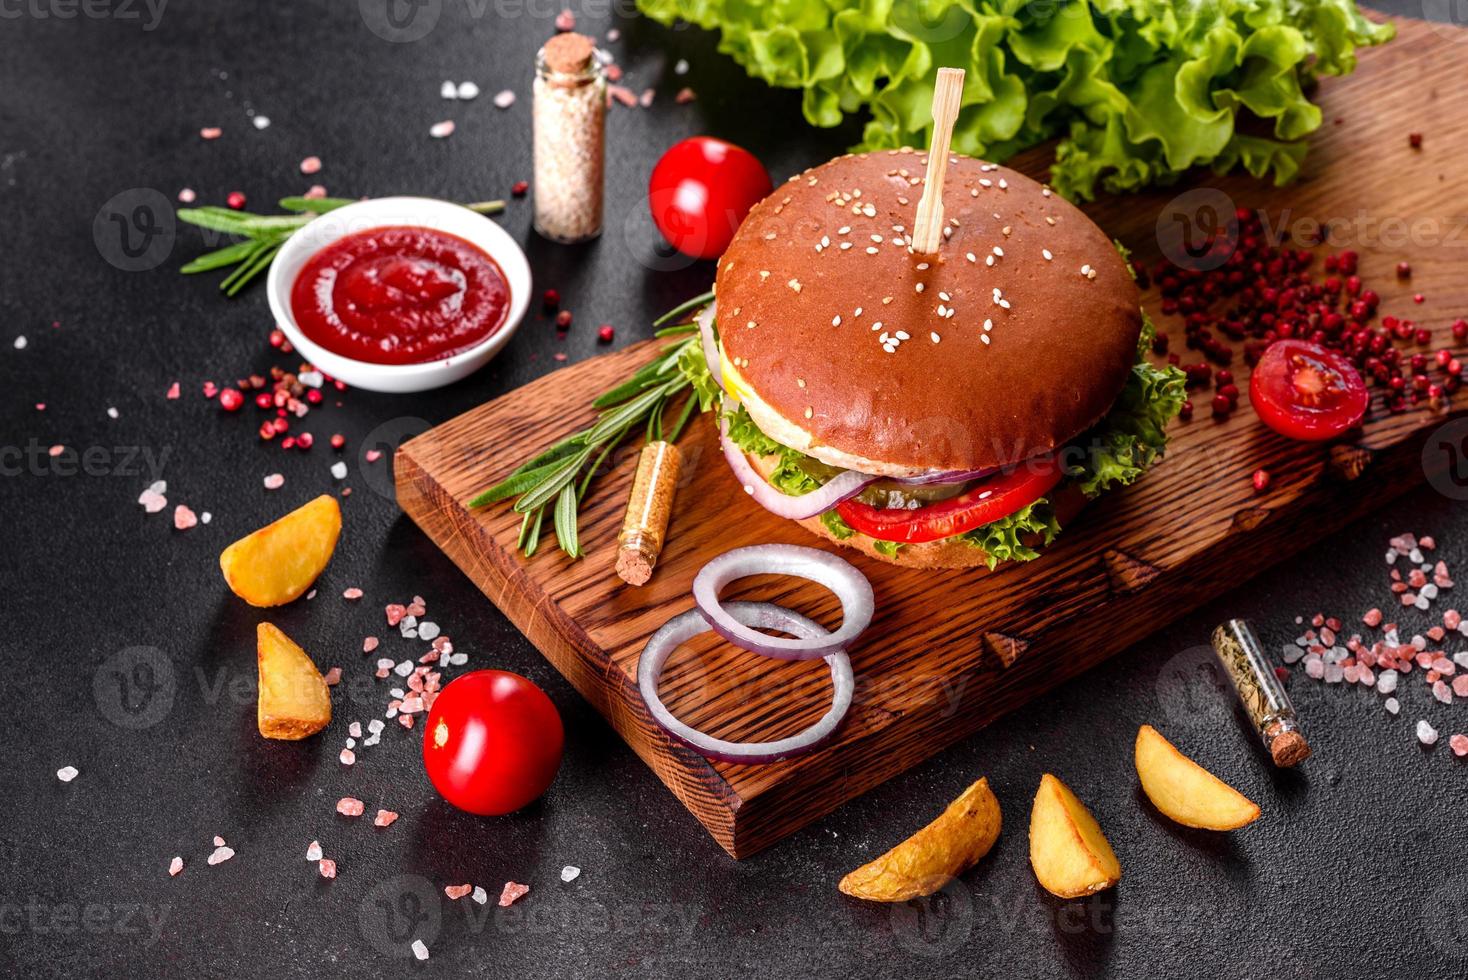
{"x":563,"y":319}
{"x":1224,"y":377}
{"x":230,"y":399}
{"x":1404,"y":270}
{"x":235,"y":200}
{"x":276,"y":338}
{"x":552,"y":299}
{"x":281,"y":425}
{"x":520,"y":187}
{"x":1185,"y":412}
{"x":267,"y":430}
{"x":264,"y":400}
{"x":1424,"y":336}
{"x":289,"y":442}
{"x":1231,"y":392}
{"x":1261,"y":480}
{"x":1443,"y":357}
{"x":1460,"y":329}
{"x":305,"y":440}
{"x":1418,"y":298}
{"x":338,"y":441}
{"x":1455,"y":367}
{"x":1222,"y":405}
{"x":605,"y":333}
{"x":1414,"y":140}
{"x":314,"y":396}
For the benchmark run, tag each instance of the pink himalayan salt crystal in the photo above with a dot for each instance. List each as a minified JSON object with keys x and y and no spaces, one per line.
{"x":1459,"y":744}
{"x":152,"y":500}
{"x":1426,"y":734}
{"x":441,"y":130}
{"x":1460,"y":685}
{"x":220,"y":854}
{"x":186,"y":195}
{"x":384,"y":818}
{"x":349,"y":806}
{"x":1372,"y":618}
{"x":313,"y":851}
{"x":513,"y":892}
{"x":176,"y":865}
{"x":1441,"y":691}
{"x":1444,"y":666}
{"x":395,"y":613}
{"x":173,"y":391}
{"x":348,"y":757}
{"x":184,"y":518}
{"x":328,"y":868}
{"x":373,"y":455}
{"x":274,"y":481}
{"x":369,"y":644}
{"x":211,"y":133}
{"x":1452,"y":619}
{"x":311,"y":165}
{"x":456,"y":892}
{"x":333,"y":677}
{"x":352,"y":593}
{"x":315,"y":192}
{"x":565,"y":21}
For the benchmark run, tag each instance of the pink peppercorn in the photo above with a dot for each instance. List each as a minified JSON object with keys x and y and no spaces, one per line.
{"x":605,"y":333}
{"x":230,"y":399}
{"x":236,"y":200}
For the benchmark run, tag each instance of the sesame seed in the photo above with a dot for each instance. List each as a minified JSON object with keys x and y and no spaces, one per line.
{"x":844,"y":229}
{"x":1004,"y":303}
{"x":886,"y":300}
{"x":985,"y":182}
{"x":836,"y":320}
{"x":922,"y":265}
{"x":988,"y":260}
{"x":999,"y":251}
{"x":934,"y":337}
{"x":869,"y":211}
{"x":857,"y":311}
{"x":1049,"y":220}
{"x":901,"y":335}
{"x":794,"y":284}
{"x":825,"y":241}
{"x":1046,"y":252}
{"x":877,"y":239}
{"x":871,"y":250}
{"x":902,"y":200}
{"x":845,"y":246}
{"x":971,"y":257}
{"x":764,"y":274}
{"x":944,"y":296}
{"x":974,"y":192}
{"x":942,"y":310}
{"x":750,"y":325}
{"x":1005,"y":231}
{"x":877,"y":325}
{"x":984,"y":337}
{"x":1003,"y":184}
{"x":809,"y":411}
{"x":800,"y":382}
{"x":1045,"y":191}
{"x":918,"y":287}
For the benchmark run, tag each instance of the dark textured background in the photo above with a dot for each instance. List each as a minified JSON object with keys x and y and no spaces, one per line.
{"x":1357,"y":868}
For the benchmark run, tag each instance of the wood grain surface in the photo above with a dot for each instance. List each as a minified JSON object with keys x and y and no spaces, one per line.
{"x":950,"y":652}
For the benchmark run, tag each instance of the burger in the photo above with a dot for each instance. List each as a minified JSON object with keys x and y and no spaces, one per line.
{"x":942,"y":410}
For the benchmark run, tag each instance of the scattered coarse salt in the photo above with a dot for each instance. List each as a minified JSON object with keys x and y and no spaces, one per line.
{"x":427,"y":630}
{"x":219,"y":841}
{"x":20,"y":342}
{"x":369,"y":644}
{"x":173,"y":392}
{"x":480,"y":895}
{"x":468,"y":91}
{"x":339,"y":469}
{"x":152,"y":498}
{"x":221,"y":854}
{"x":349,"y":806}
{"x":261,"y":122}
{"x":186,"y":195}
{"x":311,"y":165}
{"x":456,"y":892}
{"x":67,"y":773}
{"x":570,"y":873}
{"x":504,"y":99}
{"x":448,"y":90}
{"x":112,"y":413}
{"x":184,"y":518}
{"x":1459,"y":744}
{"x":372,"y":455}
{"x":441,"y":130}
{"x":1392,"y":706}
{"x":327,"y":868}
{"x":420,"y":949}
{"x":384,"y":818}
{"x":274,"y":481}
{"x":211,"y":133}
{"x":176,"y":865}
{"x":512,"y":893}
{"x":313,"y":851}
{"x":1426,"y":734}
{"x":352,"y":593}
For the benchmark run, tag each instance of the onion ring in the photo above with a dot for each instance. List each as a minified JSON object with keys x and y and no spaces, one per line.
{"x":946,"y":477}
{"x":678,"y":630}
{"x":844,"y":486}
{"x":705,"y":321}
{"x":840,"y":576}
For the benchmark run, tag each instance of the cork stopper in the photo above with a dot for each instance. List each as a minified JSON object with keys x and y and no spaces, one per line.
{"x":569,"y":53}
{"x":1289,"y":749}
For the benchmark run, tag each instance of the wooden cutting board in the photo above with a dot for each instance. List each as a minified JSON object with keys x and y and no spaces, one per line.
{"x":950,"y":652}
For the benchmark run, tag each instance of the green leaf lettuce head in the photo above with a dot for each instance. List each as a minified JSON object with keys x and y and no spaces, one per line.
{"x":1137,"y":91}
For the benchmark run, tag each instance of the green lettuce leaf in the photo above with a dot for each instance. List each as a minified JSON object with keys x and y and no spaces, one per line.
{"x":838,"y":528}
{"x":1002,"y":540}
{"x":1137,"y":91}
{"x":790,"y":476}
{"x":1133,"y":434}
{"x":692,"y":365}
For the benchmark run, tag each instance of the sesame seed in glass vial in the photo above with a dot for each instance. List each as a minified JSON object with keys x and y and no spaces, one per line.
{"x":570,"y":116}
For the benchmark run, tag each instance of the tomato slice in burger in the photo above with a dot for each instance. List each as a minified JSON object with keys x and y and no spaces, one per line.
{"x":983,"y":503}
{"x":1304,"y":391}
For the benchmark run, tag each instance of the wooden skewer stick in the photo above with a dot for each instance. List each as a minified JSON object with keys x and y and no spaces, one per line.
{"x":927,"y":230}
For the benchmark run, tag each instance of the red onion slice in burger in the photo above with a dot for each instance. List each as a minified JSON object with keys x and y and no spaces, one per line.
{"x":751,"y":615}
{"x":841,"y":577}
{"x":705,"y":321}
{"x":843,"y":486}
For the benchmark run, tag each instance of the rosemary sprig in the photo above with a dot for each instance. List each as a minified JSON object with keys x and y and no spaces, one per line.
{"x":264,"y":234}
{"x":639,"y":404}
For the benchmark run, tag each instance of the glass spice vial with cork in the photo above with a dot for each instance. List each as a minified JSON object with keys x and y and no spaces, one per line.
{"x":569,"y":120}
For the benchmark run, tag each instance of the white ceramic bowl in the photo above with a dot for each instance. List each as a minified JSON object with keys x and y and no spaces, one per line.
{"x":382,"y":212}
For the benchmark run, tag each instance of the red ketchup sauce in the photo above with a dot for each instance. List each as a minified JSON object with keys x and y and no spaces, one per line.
{"x":399,"y":295}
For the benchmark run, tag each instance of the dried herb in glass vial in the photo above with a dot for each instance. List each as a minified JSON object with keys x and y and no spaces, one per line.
{"x":1264,"y":698}
{"x":651,"y":503}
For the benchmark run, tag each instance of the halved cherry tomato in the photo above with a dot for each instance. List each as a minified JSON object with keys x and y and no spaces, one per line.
{"x":700,"y":192}
{"x":986,"y":501}
{"x":492,"y":742}
{"x":1304,"y":391}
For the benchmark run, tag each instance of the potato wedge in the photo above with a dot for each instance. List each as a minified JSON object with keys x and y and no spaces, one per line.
{"x":1070,"y":855}
{"x":933,"y":856}
{"x":294,"y":702}
{"x":1186,"y":792}
{"x":278,"y":563}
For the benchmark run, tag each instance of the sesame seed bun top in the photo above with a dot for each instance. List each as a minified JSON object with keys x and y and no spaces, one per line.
{"x":1014,"y":338}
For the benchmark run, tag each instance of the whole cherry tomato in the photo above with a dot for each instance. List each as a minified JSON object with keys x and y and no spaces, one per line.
{"x":1304,"y":391}
{"x":492,"y":743}
{"x":701,"y":190}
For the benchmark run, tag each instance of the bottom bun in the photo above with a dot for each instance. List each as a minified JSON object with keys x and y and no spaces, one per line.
{"x":944,"y":553}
